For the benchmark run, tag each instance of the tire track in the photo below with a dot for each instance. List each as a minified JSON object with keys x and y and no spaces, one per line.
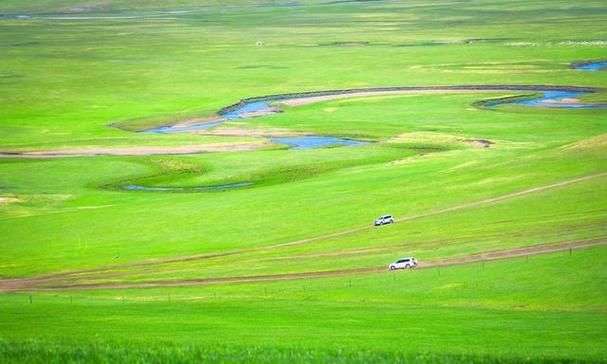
{"x":106,"y":271}
{"x":467,"y":259}
{"x":137,"y":151}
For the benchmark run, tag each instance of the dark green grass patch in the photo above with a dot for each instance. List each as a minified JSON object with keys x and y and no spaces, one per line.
{"x":34,"y":352}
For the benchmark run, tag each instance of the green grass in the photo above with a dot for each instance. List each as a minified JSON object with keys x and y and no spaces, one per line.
{"x":109,"y":352}
{"x":110,"y":223}
{"x":85,"y":74}
{"x":107,"y":71}
{"x":545,"y":304}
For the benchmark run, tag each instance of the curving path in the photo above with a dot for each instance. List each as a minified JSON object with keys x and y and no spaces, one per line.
{"x":58,"y":281}
{"x":90,"y":152}
{"x":552,"y":96}
{"x":31,"y":284}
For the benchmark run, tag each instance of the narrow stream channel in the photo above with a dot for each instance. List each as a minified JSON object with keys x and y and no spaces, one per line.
{"x":593,"y":66}
{"x":551,"y":97}
{"x":201,"y":188}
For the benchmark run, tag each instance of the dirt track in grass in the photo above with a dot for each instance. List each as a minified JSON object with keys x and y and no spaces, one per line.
{"x":89,"y":152}
{"x":32,"y":284}
{"x":57,"y":280}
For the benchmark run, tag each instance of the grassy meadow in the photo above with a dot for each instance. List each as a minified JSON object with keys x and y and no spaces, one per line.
{"x":80,"y":74}
{"x":370,"y":318}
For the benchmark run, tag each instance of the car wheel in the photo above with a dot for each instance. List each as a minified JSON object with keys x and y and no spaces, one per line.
{"x":392,"y":267}
{"x":407,"y":266}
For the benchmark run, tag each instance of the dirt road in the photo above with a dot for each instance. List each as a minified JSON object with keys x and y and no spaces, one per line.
{"x":107,"y":271}
{"x":33,"y":284}
{"x":89,"y":152}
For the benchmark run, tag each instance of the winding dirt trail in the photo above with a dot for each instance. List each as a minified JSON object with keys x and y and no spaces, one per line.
{"x":32,"y":284}
{"x":90,"y":152}
{"x":57,"y":280}
{"x":205,"y":256}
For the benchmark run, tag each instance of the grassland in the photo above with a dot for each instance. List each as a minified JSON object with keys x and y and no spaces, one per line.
{"x":403,"y":314}
{"x":81,"y":74}
{"x":546,"y":304}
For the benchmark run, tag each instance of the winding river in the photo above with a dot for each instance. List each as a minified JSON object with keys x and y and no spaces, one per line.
{"x":567,"y":97}
{"x":564,"y":97}
{"x":545,"y":96}
{"x":590,"y":66}
{"x":185,"y":189}
{"x":552,"y":96}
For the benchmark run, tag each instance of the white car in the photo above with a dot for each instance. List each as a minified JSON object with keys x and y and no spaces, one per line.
{"x":383,"y":220}
{"x":403,"y":263}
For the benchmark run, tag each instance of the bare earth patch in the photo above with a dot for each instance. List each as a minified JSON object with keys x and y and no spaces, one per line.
{"x":254,"y":114}
{"x":313,"y":99}
{"x":25,"y":284}
{"x":427,"y":138}
{"x":188,"y":149}
{"x":5,"y":200}
{"x":61,"y":280}
{"x":597,"y":142}
{"x":480,"y":143}
{"x":249,"y":132}
{"x":197,"y":121}
{"x":566,"y":100}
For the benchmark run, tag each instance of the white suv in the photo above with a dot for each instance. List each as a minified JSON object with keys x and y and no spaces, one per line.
{"x":403,"y":263}
{"x":383,"y":220}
